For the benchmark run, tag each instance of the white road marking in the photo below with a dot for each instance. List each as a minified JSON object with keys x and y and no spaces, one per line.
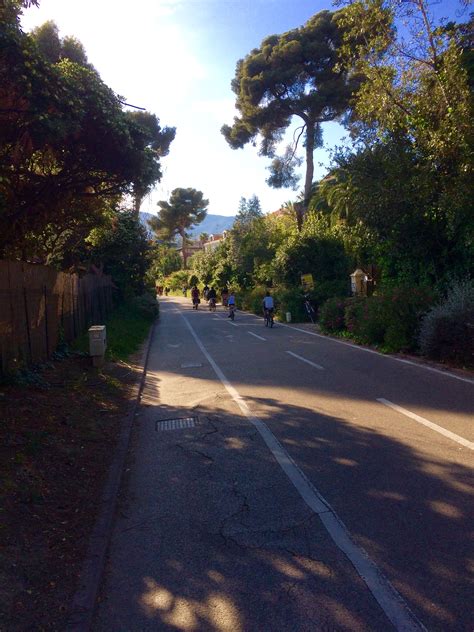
{"x":429,"y":424}
{"x":295,"y":355}
{"x":256,"y":335}
{"x":383,"y":355}
{"x":386,"y":595}
{"x":233,"y":324}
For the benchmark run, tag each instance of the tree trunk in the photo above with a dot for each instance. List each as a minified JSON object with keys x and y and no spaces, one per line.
{"x":183,"y":248}
{"x":310,"y":131}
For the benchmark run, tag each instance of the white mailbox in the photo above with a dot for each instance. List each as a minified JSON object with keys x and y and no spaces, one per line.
{"x":97,"y":340}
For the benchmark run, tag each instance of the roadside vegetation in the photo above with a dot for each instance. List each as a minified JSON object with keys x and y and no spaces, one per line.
{"x":76,"y":163}
{"x":397,"y":199}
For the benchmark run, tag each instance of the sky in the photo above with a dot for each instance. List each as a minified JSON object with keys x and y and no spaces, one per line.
{"x":176,"y":59}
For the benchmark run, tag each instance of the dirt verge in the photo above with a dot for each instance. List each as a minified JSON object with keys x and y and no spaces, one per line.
{"x":57,"y":438}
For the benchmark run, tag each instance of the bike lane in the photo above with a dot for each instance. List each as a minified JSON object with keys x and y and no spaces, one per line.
{"x":211,"y":534}
{"x":404,"y":490}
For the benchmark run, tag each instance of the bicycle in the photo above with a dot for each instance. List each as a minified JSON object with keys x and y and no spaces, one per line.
{"x":232,"y":311}
{"x":309,"y":308}
{"x":268,"y":317}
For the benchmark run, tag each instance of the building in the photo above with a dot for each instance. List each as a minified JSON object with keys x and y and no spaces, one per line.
{"x":214,"y":241}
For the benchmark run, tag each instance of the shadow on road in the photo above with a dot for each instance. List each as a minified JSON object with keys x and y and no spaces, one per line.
{"x":213,"y":536}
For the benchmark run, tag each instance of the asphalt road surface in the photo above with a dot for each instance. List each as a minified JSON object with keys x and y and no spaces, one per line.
{"x":280,"y":480}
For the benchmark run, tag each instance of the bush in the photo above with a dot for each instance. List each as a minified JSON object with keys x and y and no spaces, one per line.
{"x":391,"y":320}
{"x":146,"y":305}
{"x":290,"y":300}
{"x":177,"y":280}
{"x":364,"y":319}
{"x":331,"y":315}
{"x":447,"y":332}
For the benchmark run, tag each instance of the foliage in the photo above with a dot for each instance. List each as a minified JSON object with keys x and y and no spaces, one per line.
{"x":410,"y":182}
{"x":163,"y":260}
{"x":331,"y":315}
{"x":248,"y":210}
{"x":127,"y":328}
{"x":391,"y":320}
{"x":177,"y":280}
{"x":447,"y":330}
{"x":317,"y":250}
{"x":120,"y":249}
{"x":66,"y":146}
{"x":146,"y":305}
{"x":186,"y":208}
{"x":293,"y":74}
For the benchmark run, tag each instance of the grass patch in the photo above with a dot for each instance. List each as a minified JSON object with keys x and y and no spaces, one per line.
{"x":127,"y":328}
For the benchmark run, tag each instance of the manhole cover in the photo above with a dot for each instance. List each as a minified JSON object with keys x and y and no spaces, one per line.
{"x":175,"y":424}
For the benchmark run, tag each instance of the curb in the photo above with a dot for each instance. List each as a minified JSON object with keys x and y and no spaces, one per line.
{"x":83,"y":601}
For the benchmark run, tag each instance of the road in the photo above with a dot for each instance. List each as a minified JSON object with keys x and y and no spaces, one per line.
{"x":280,"y":480}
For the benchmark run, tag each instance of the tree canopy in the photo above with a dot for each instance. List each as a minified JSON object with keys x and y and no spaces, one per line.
{"x":67,"y":147}
{"x":186,"y":208}
{"x":296,"y":74}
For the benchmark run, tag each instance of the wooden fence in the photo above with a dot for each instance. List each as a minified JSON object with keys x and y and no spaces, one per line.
{"x":39,"y":307}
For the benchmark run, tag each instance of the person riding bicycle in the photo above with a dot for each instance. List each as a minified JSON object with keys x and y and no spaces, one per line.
{"x":231,"y":304}
{"x":225,"y":296}
{"x":195,"y":297}
{"x":268,"y":303}
{"x":211,"y":298}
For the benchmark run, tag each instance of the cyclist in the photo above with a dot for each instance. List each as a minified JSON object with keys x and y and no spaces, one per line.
{"x":231,"y":304}
{"x":268,"y":307}
{"x":211,"y":297}
{"x":224,"y":296}
{"x":195,"y":297}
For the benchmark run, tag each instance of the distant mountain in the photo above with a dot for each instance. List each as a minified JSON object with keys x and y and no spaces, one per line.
{"x":212,"y":224}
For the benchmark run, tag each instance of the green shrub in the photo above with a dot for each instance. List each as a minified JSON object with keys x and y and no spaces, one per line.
{"x":390,"y":320}
{"x":364,"y":319}
{"x":146,"y":305}
{"x":251,"y":300}
{"x":447,"y":330}
{"x":290,"y":300}
{"x":177,"y":280}
{"x":331,"y":315}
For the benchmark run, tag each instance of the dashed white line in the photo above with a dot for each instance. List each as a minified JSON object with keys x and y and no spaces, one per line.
{"x":382,"y":355}
{"x":256,"y":335}
{"x":429,"y":424}
{"x":386,"y":595}
{"x":295,"y":355}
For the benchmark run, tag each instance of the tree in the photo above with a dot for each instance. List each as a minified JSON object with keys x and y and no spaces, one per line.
{"x":296,"y":74}
{"x":410,"y":180}
{"x":65,"y":144}
{"x":186,"y":208}
{"x":155,"y":143}
{"x":248,"y":210}
{"x":120,"y":248}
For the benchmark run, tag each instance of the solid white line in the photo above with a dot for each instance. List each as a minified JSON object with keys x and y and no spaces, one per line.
{"x":382,"y":355}
{"x":386,"y":595}
{"x":429,"y":424}
{"x":295,"y":355}
{"x":256,"y":335}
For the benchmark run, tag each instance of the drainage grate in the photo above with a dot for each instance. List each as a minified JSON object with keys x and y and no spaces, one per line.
{"x":175,"y":424}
